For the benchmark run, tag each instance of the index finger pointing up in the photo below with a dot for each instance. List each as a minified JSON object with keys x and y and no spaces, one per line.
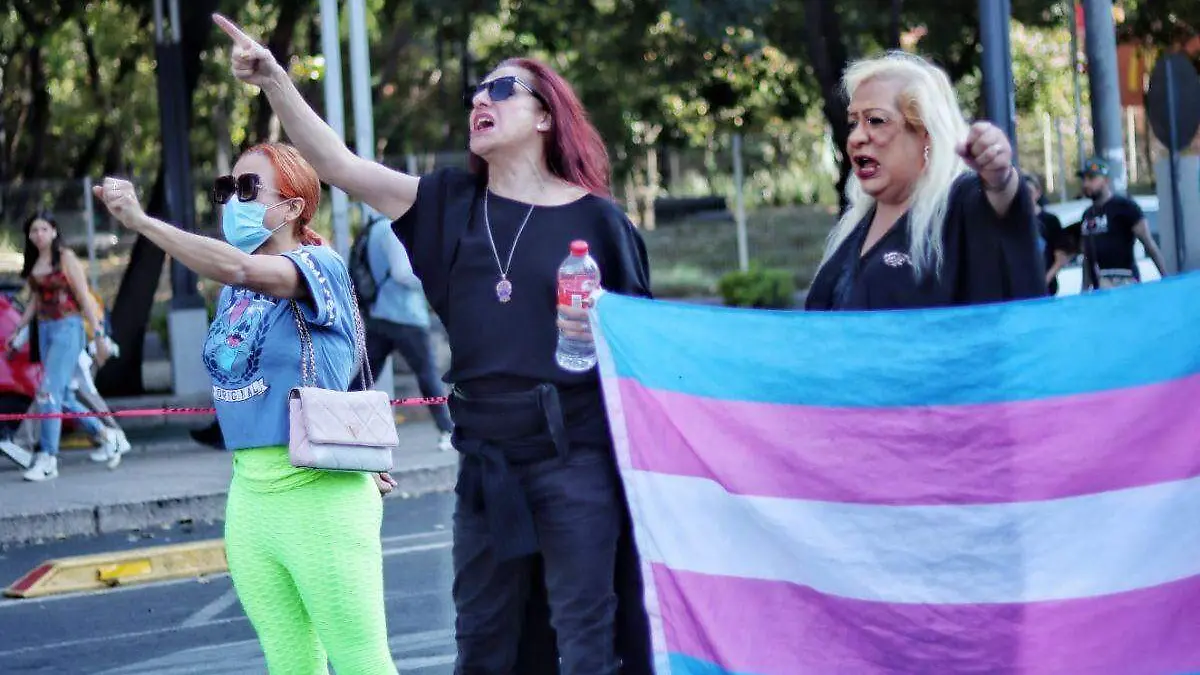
{"x":231,"y":29}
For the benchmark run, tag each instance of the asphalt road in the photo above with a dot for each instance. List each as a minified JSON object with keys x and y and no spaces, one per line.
{"x":197,"y":626}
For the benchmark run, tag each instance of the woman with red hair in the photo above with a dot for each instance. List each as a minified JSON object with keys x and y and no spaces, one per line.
{"x":538,"y":476}
{"x":303,"y":544}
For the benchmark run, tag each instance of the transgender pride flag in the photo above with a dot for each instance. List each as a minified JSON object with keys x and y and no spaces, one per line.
{"x":998,"y":489}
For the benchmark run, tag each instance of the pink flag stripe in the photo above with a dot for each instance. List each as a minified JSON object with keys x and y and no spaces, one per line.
{"x":777,"y":628}
{"x":1052,"y":448}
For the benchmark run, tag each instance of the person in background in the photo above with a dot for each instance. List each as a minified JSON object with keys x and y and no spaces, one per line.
{"x":937,"y":215}
{"x":23,"y":443}
{"x":399,"y":320}
{"x":1059,"y":245}
{"x":1109,"y":228}
{"x":59,"y":301}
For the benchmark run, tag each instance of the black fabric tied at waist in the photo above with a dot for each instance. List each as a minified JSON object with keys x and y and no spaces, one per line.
{"x":493,"y":432}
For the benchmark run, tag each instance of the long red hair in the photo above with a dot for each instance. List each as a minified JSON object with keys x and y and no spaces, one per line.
{"x":295,"y":178}
{"x":574,"y":150}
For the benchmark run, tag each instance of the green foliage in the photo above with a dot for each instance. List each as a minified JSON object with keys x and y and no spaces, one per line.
{"x":652,"y":73}
{"x":759,"y":288}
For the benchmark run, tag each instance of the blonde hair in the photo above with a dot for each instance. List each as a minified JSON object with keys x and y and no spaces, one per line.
{"x":928,"y":104}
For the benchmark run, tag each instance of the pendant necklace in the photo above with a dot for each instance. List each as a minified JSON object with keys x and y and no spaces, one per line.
{"x":504,"y":287}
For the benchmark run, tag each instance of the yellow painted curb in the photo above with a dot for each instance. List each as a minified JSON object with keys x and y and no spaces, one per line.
{"x":121,"y":568}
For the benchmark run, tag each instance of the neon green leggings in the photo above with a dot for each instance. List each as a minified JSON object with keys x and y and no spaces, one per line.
{"x":304,"y":553}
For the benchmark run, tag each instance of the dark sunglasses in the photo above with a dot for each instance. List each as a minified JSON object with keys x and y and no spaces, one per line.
{"x":500,"y":89}
{"x":245,"y":186}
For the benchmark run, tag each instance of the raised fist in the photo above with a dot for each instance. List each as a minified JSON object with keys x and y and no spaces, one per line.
{"x":988,"y":152}
{"x":120,"y":198}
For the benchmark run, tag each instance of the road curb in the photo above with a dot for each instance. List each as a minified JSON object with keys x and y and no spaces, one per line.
{"x":27,"y":529}
{"x":121,"y":568}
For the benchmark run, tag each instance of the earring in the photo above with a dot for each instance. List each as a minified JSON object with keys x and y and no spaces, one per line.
{"x":927,"y":153}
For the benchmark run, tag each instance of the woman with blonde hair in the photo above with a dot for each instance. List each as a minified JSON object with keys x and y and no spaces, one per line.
{"x":936,"y":215}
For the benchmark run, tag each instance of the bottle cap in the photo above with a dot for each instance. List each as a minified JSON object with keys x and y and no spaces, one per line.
{"x":579,"y":247}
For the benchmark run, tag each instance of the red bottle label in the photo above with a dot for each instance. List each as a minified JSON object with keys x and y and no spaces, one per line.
{"x":574,"y":290}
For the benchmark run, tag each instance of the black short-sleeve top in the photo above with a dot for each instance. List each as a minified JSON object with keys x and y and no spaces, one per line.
{"x":448,"y":242}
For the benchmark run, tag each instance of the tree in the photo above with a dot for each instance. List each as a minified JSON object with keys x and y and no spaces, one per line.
{"x":135,"y":298}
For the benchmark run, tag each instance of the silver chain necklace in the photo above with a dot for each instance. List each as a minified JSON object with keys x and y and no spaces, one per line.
{"x":504,"y":287}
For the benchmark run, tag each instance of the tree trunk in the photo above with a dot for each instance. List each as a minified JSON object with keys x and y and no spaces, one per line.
{"x":39,"y":112}
{"x":135,"y":298}
{"x":828,"y":55}
{"x":894,"y":28}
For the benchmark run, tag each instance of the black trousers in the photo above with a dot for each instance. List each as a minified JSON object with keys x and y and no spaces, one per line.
{"x":583,"y":555}
{"x":385,"y":337}
{"x":537,"y":652}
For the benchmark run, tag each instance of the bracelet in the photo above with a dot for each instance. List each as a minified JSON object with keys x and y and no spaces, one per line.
{"x":1003,"y":184}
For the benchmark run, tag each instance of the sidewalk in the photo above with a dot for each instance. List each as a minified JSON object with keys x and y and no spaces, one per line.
{"x":167,"y":478}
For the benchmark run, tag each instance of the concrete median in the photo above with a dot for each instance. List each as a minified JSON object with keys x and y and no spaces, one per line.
{"x":167,"y":484}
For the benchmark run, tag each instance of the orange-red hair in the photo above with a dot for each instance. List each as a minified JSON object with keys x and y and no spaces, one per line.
{"x":295,"y":178}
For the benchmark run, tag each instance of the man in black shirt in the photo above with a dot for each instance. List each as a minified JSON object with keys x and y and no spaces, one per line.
{"x":1109,"y":227}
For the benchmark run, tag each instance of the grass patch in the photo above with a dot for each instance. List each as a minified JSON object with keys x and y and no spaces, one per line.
{"x":687,"y":257}
{"x":682,"y":281}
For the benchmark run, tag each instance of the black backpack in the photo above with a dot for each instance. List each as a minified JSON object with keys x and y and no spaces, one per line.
{"x":360,"y":270}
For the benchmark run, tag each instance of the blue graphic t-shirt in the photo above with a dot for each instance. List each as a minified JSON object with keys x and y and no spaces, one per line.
{"x":253,"y":349}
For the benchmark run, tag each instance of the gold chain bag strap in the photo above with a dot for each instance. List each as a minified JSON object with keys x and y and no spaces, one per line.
{"x":339,"y":430}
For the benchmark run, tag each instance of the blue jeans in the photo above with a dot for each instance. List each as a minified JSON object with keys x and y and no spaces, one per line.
{"x":60,"y":342}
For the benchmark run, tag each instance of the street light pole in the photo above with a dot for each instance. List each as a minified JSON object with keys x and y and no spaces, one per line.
{"x":187,"y":318}
{"x":1104,"y":86}
{"x":335,"y":115}
{"x":997,"y":68}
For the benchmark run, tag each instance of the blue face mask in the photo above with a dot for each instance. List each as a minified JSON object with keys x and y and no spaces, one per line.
{"x":242,"y":223}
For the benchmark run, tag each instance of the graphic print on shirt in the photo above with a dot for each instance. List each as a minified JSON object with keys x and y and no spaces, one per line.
{"x":1096,"y":225}
{"x":233,"y":353}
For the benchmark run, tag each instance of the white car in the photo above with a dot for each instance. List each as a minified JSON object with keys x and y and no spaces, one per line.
{"x":1070,"y":278}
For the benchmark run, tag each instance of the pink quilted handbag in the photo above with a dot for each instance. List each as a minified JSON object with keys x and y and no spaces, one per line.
{"x":339,"y":430}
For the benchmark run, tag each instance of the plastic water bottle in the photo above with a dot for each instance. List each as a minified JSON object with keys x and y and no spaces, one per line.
{"x":578,"y":276}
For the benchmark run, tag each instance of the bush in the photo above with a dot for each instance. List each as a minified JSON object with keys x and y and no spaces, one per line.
{"x":758,"y":288}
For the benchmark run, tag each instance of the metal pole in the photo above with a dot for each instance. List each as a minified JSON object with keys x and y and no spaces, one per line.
{"x":335,"y":114}
{"x":158,"y":21}
{"x":997,"y":68}
{"x":360,"y":81}
{"x":1172,"y":158}
{"x":172,"y":103}
{"x":364,"y":135}
{"x":360,"y":89}
{"x":1081,"y":153}
{"x":89,"y":215}
{"x":1104,"y":86}
{"x":740,"y":202}
{"x":1047,"y":153}
{"x":1131,"y":141}
{"x":176,"y":27}
{"x":1062,"y":161}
